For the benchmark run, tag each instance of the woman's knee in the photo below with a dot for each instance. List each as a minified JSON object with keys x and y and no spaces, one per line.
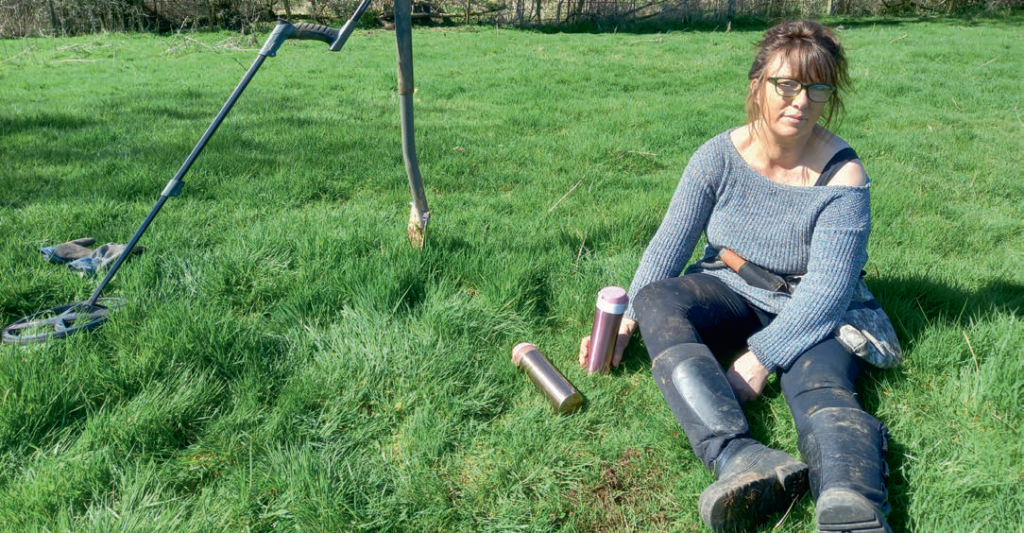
{"x":651,"y":298}
{"x":822,"y":377}
{"x":670,"y":295}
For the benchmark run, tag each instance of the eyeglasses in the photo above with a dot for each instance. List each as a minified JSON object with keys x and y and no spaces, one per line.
{"x":790,"y":88}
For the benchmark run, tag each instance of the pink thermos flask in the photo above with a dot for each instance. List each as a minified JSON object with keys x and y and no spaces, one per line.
{"x":611,"y":304}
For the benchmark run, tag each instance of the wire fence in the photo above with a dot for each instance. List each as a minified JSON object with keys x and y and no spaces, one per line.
{"x":19,"y":18}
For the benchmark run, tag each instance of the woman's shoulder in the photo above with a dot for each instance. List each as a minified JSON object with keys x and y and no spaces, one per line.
{"x":851,"y":172}
{"x":716,"y":146}
{"x":711,"y":156}
{"x":718,"y":151}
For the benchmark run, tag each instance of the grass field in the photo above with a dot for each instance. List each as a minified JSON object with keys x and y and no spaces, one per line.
{"x":286,"y":360}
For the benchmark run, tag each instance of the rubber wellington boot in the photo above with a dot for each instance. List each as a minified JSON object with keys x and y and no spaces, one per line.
{"x":845,"y":448}
{"x":754,"y":481}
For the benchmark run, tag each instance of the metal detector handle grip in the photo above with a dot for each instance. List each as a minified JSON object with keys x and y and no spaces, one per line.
{"x":303,"y":31}
{"x":316,"y":32}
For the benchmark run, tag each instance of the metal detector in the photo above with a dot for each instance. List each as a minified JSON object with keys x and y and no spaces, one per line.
{"x":64,"y":320}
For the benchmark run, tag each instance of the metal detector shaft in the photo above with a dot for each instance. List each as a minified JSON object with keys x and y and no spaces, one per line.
{"x":406,"y":88}
{"x":283,"y":30}
{"x":350,"y":25}
{"x":173,"y":187}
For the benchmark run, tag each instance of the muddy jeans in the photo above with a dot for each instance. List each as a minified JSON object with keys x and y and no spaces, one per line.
{"x":698,"y":308}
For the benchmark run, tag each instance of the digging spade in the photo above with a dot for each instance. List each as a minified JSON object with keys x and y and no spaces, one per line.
{"x":419,"y":215}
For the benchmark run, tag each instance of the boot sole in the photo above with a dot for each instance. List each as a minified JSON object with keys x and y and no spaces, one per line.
{"x":742,"y":502}
{"x":842,"y":511}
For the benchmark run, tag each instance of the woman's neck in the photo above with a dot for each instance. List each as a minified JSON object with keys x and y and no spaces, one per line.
{"x":779,"y":152}
{"x":780,"y":159}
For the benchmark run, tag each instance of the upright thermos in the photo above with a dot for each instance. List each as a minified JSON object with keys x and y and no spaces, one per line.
{"x":562,"y":396}
{"x":611,"y":304}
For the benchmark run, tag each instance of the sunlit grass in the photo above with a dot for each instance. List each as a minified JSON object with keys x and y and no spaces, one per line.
{"x":286,"y":360}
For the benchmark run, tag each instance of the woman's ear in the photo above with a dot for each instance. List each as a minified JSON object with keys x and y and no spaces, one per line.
{"x":755,"y":90}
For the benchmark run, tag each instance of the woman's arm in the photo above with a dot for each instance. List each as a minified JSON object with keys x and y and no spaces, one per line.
{"x":680,"y":229}
{"x":851,"y":174}
{"x":838,"y":252}
{"x":685,"y":220}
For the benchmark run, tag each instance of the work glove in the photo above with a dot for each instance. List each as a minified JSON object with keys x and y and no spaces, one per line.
{"x":101,"y":258}
{"x":69,"y":251}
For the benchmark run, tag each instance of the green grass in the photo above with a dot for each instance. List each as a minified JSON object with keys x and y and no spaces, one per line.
{"x":286,"y":360}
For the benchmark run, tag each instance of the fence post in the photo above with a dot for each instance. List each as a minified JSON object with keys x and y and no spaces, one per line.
{"x":53,"y":17}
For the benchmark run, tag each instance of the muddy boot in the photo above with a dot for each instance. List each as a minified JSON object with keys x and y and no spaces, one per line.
{"x":845,"y":448}
{"x":753,"y":481}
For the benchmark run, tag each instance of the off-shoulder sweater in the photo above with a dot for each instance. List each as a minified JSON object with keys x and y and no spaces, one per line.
{"x":818,"y":232}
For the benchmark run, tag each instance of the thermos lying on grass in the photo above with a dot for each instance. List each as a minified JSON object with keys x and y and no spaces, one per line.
{"x":562,"y":396}
{"x":611,"y":304}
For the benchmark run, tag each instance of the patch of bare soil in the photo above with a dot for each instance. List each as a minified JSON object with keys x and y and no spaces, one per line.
{"x":630,"y":495}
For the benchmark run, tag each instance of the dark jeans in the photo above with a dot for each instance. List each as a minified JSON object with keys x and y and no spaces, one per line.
{"x":698,"y":308}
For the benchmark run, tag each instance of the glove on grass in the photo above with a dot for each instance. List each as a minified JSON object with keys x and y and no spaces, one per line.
{"x":69,"y":251}
{"x":101,"y":258}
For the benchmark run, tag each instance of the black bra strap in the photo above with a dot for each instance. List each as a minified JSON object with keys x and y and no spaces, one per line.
{"x":833,"y":165}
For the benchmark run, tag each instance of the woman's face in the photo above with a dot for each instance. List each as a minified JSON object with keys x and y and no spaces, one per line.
{"x":787,"y":117}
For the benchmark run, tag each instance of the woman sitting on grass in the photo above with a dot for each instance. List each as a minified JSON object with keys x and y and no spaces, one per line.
{"x":755,"y":191}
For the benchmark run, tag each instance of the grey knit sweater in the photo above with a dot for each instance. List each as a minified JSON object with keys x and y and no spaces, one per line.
{"x":820,"y":232}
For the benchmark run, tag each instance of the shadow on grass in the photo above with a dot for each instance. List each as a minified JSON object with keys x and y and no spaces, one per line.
{"x":54,"y":121}
{"x":965,"y":20}
{"x":914,"y":304}
{"x":634,"y":360}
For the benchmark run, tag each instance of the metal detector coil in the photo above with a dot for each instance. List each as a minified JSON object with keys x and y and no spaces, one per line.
{"x":60,"y":321}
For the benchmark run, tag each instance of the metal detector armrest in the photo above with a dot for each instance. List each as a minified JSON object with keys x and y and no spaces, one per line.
{"x":303,"y":31}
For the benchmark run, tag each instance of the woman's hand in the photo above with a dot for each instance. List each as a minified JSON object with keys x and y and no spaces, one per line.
{"x":747,"y":376}
{"x":626,"y":330}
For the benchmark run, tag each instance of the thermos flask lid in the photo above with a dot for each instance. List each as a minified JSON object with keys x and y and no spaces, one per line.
{"x":613,"y":294}
{"x":612,"y":300}
{"x":520,"y":350}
